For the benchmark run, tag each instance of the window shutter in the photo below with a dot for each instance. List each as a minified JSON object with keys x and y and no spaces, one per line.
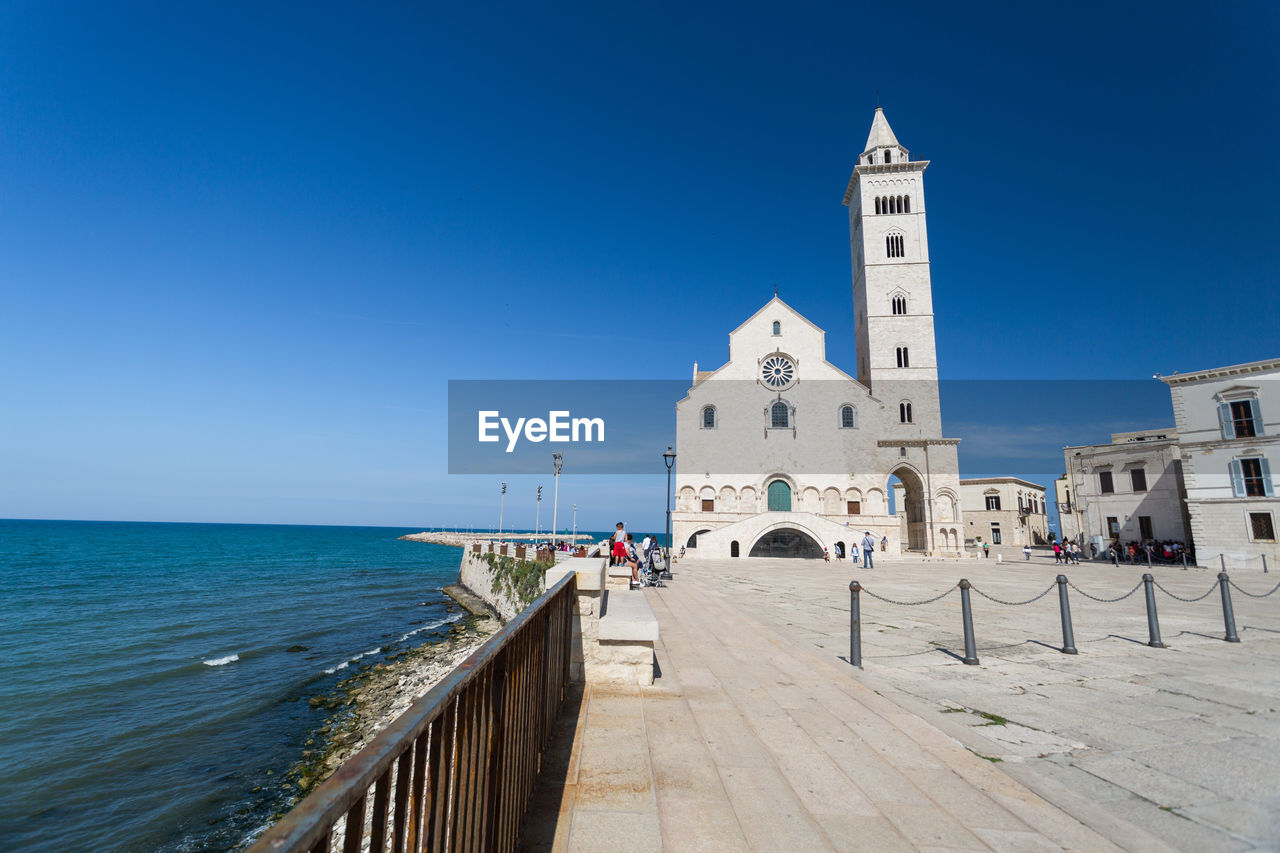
{"x":1237,"y":478}
{"x":1265,"y":463}
{"x":1256,"y":406}
{"x":1224,"y":420}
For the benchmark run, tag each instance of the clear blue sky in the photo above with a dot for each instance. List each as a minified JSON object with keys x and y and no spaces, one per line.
{"x":242,"y":247}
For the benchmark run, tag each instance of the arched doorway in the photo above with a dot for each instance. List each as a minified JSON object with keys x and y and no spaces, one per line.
{"x":787,"y":542}
{"x":839,"y":550}
{"x":693,"y":540}
{"x":779,"y":496}
{"x":910,"y":510}
{"x":733,"y":548}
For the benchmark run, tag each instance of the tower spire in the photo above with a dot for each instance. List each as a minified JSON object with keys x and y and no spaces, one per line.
{"x":881,"y":135}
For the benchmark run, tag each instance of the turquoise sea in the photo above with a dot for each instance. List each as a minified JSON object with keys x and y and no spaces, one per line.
{"x":148,"y":700}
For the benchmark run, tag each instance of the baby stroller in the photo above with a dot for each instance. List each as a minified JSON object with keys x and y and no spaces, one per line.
{"x":651,"y":566}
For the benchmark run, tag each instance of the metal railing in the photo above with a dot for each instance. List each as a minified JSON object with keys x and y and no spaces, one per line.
{"x":1149,"y":584}
{"x":455,"y":771}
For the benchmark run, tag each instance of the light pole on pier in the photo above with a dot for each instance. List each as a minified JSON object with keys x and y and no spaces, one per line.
{"x":558,"y":460}
{"x":537,"y":518}
{"x":575,"y":525}
{"x":502,"y":499}
{"x":670,"y":458}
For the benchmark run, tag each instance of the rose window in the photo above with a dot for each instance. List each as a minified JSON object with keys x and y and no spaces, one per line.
{"x":777,"y":372}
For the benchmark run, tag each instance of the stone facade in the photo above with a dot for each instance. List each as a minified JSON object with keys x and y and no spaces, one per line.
{"x":1229,"y":436}
{"x":1004,"y":511}
{"x":1129,"y":490}
{"x":781,"y":453}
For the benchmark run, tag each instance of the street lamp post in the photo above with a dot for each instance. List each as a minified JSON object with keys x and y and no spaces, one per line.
{"x":558,"y":460}
{"x":502,"y":499}
{"x":537,"y":517}
{"x":670,"y":458}
{"x":575,"y":525}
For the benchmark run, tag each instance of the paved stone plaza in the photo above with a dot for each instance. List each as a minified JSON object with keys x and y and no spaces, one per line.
{"x":757,"y":734}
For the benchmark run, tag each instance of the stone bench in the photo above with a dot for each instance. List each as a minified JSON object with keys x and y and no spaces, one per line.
{"x":627,"y":633}
{"x":619,"y":576}
{"x":614,"y":629}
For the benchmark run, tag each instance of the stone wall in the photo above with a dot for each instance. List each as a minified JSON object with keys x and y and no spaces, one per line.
{"x":475,"y":575}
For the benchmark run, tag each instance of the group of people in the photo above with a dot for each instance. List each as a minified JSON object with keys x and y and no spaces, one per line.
{"x":1168,"y":551}
{"x":1063,"y":552}
{"x":624,"y":552}
{"x":864,"y":550}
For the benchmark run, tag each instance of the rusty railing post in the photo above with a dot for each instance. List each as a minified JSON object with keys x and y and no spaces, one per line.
{"x":966,"y":612}
{"x":1153,"y":622}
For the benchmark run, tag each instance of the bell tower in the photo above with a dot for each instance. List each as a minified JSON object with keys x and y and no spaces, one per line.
{"x":892,"y":292}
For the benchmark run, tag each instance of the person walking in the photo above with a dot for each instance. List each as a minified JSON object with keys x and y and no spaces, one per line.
{"x":1026,"y":552}
{"x":1057,"y":552}
{"x":868,"y":549}
{"x":986,"y":550}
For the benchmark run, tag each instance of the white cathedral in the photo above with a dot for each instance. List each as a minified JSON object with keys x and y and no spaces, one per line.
{"x":781,"y":453}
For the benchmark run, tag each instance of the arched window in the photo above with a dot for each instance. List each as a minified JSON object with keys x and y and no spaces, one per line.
{"x":899,"y":304}
{"x":877,"y":204}
{"x":904,"y":359}
{"x":906,"y":204}
{"x":894,"y":245}
{"x":900,"y":210}
{"x":777,"y":327}
{"x":779,"y":415}
{"x":846,"y":417}
{"x":709,"y":417}
{"x":904,"y":412}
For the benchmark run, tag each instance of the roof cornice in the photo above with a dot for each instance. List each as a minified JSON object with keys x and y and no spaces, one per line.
{"x":881,"y":169}
{"x":1263,"y":366}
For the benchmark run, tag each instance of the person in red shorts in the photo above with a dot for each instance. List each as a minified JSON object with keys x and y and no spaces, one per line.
{"x":619,"y":546}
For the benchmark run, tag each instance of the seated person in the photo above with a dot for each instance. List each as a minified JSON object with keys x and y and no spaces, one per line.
{"x":632,"y":559}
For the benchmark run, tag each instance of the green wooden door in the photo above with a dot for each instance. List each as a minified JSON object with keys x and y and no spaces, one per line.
{"x":779,"y":497}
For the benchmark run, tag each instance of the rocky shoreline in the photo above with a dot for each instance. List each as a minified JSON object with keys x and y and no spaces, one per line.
{"x":368,"y":701}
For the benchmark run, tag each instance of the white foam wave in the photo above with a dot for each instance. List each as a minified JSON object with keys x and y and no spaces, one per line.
{"x":453,"y":617}
{"x":346,"y":663}
{"x":222,"y":661}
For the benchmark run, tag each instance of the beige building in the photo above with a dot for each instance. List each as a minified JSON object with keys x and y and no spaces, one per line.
{"x":781,"y":453}
{"x":1004,"y":511}
{"x":1229,"y":437}
{"x":1129,"y":490}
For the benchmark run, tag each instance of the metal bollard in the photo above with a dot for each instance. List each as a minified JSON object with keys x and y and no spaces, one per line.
{"x":1184,"y":561}
{"x":1153,"y":622}
{"x":855,"y":625}
{"x":1228,"y":615}
{"x":966,"y":611}
{"x":1264,"y":564}
{"x":1148,"y":557}
{"x":1064,"y":607}
{"x":1222,"y":562}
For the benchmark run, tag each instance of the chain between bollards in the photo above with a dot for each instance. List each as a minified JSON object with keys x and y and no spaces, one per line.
{"x":966,"y":612}
{"x":1153,"y":622}
{"x":1064,"y":607}
{"x":1228,"y":614}
{"x":855,"y":625}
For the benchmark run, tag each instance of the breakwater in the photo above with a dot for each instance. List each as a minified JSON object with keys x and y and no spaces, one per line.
{"x":463,"y":538}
